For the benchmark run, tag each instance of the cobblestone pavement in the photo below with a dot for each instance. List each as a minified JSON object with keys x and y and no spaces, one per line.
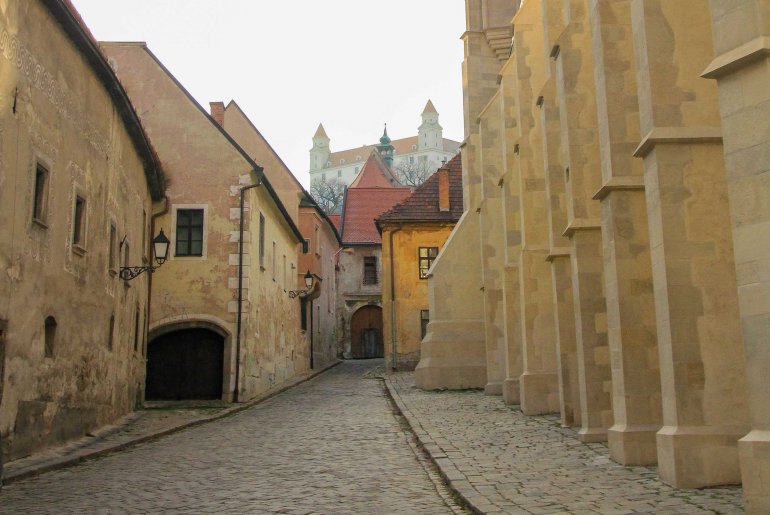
{"x":330,"y":445}
{"x":504,"y":462}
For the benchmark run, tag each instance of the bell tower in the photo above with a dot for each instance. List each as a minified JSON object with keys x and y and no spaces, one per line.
{"x":319,"y":154}
{"x":431,"y":134}
{"x":385,"y":148}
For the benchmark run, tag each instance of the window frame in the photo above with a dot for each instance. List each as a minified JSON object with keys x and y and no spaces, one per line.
{"x":369,"y":262}
{"x":425,"y":262}
{"x":262,"y":240}
{"x":79,"y":222}
{"x":191,"y":226}
{"x":41,"y":192}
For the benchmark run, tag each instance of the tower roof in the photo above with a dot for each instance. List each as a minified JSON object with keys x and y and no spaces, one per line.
{"x":375,"y":174}
{"x":429,"y":108}
{"x":385,"y":139}
{"x":320,"y":132}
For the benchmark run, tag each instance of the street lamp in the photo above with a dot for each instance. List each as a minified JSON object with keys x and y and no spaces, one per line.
{"x":160,"y":246}
{"x":308,"y":286}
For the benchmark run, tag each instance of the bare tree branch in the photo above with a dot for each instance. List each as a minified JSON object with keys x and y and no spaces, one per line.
{"x":414,"y":173}
{"x":328,"y":193}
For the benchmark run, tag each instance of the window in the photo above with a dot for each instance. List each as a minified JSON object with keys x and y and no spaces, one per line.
{"x":41,"y":193}
{"x":370,"y":270}
{"x":414,"y":147}
{"x":275,"y":264}
{"x":284,"y":280}
{"x":323,"y":176}
{"x":426,"y":257}
{"x":316,"y":245}
{"x":339,"y":173}
{"x":189,"y":232}
{"x":358,"y":158}
{"x":50,"y":336}
{"x":144,"y":233}
{"x":342,"y":161}
{"x":136,"y":329}
{"x":111,"y":334}
{"x":79,"y":221}
{"x":126,"y":255}
{"x":261,"y":241}
{"x":112,"y":259}
{"x":424,"y":319}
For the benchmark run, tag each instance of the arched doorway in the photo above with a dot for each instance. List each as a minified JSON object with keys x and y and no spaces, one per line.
{"x":185,"y":364}
{"x":366,"y":333}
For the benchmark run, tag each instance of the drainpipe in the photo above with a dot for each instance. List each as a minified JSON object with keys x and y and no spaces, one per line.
{"x":393,"y":302}
{"x":239,"y":316}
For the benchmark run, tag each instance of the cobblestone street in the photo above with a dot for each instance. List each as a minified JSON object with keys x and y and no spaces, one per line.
{"x":330,"y":445}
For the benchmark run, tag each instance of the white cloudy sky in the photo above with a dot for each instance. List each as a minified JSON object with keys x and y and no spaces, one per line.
{"x":290,"y":64}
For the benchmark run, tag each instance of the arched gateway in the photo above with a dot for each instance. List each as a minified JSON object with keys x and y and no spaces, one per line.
{"x":366,"y":333}
{"x":185,"y":364}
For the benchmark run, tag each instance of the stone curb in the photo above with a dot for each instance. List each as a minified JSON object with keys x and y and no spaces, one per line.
{"x":456,"y":481}
{"x":68,"y":461}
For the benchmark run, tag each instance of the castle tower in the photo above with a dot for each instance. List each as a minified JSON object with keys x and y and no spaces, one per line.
{"x":385,"y":148}
{"x":319,"y":154}
{"x":430,"y":134}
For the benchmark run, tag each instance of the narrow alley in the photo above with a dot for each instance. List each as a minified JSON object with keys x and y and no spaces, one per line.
{"x":330,"y":445}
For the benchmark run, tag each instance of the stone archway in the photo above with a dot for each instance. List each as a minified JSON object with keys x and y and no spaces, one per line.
{"x":366,"y":333}
{"x":185,"y":364}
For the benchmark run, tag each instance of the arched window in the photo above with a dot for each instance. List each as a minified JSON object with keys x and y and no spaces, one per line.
{"x":50,"y":336}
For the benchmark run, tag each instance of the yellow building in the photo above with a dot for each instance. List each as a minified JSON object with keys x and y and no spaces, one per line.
{"x":413,"y":233}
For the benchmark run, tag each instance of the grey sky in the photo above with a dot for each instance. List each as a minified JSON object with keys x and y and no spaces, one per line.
{"x":290,"y":64}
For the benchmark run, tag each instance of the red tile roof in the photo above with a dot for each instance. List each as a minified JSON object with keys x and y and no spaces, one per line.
{"x":422,"y":205}
{"x":375,"y":174}
{"x":335,"y":219}
{"x":362,"y":206}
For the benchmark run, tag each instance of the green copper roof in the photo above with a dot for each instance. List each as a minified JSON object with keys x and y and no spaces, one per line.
{"x":385,"y":139}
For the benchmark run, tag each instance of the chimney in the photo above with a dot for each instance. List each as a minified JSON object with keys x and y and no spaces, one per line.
{"x":443,"y":189}
{"x":218,"y":112}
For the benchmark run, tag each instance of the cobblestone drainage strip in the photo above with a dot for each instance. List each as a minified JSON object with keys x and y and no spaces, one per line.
{"x":454,"y":500}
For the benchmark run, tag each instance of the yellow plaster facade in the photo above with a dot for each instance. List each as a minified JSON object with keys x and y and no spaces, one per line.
{"x":405,"y":294}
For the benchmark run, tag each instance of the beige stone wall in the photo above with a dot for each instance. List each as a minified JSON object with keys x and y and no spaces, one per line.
{"x":352,"y":293}
{"x":206,"y":171}
{"x":55,"y":112}
{"x":701,"y":351}
{"x":742,"y":72}
{"x":627,"y":264}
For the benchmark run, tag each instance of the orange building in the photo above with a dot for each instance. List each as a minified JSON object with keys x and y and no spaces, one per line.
{"x":413,"y":233}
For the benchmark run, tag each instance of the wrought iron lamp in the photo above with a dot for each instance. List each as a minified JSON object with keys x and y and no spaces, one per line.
{"x":160,"y":245}
{"x":308,"y":286}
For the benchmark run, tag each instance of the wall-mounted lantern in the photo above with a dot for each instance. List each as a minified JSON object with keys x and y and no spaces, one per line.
{"x":160,"y":245}
{"x":309,"y":279}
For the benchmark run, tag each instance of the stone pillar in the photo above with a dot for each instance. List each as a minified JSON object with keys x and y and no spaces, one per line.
{"x":559,"y":245}
{"x":703,"y":384}
{"x":742,"y":70}
{"x":627,"y":266}
{"x":492,"y":242}
{"x":539,"y":381}
{"x":580,"y":145}
{"x":512,"y":233}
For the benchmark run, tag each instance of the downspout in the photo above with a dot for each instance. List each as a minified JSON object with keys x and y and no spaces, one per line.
{"x":239,"y":316}
{"x":393,"y":302}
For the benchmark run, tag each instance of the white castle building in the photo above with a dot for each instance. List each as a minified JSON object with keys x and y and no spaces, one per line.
{"x":429,"y":148}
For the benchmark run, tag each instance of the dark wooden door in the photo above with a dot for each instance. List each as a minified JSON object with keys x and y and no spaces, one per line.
{"x":185,"y":365}
{"x":366,"y":333}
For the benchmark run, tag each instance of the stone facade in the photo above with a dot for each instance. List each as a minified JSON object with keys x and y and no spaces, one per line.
{"x":77,"y":185}
{"x":198,"y":288}
{"x":615,"y":216}
{"x":321,"y":237}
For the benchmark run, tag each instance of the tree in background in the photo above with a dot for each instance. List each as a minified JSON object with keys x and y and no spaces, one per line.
{"x":414,"y":173}
{"x":328,"y":193}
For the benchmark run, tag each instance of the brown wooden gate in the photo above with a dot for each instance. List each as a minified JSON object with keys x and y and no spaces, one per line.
{"x":366,"y":333}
